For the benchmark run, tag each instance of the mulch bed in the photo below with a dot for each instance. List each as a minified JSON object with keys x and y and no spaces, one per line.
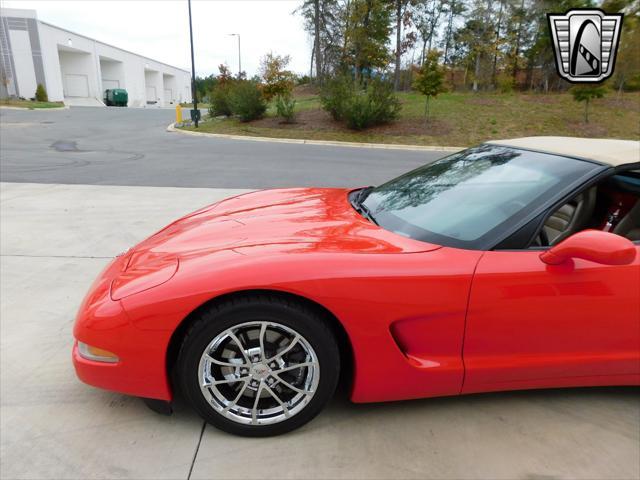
{"x":413,"y":126}
{"x":317,"y":119}
{"x":314,"y":119}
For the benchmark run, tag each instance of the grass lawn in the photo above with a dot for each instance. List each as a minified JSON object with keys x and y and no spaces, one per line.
{"x":201,"y":105}
{"x":6,"y":102}
{"x":457,"y":119}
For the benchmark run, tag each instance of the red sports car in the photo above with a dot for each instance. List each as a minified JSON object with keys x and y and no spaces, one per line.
{"x":511,"y":265}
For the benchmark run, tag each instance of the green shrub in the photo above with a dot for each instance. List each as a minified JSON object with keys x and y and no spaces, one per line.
{"x":41,"y":93}
{"x":219,"y":101}
{"x":246,"y":101}
{"x":376,"y":105}
{"x":303,"y":80}
{"x":505,"y":83}
{"x":359,"y":107}
{"x":335,"y":95}
{"x":285,"y":106}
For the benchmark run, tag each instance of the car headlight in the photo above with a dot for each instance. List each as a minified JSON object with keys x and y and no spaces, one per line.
{"x":96,"y":354}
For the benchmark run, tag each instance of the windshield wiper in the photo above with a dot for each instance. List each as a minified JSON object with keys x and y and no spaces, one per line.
{"x":366,"y":213}
{"x":358,"y":204}
{"x":362,"y":194}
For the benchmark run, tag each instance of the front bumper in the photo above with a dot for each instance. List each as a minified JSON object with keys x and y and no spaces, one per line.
{"x":102,"y":322}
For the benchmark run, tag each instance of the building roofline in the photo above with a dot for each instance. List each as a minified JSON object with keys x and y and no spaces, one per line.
{"x":109,"y":45}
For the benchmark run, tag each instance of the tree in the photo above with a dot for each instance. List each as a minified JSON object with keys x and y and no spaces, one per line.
{"x":404,"y":18}
{"x":474,"y":43}
{"x":539,"y":52}
{"x":317,"y":44}
{"x":428,"y":13}
{"x":430,"y":80}
{"x":278,"y":81}
{"x":516,"y":33}
{"x":322,"y":19}
{"x":225,"y":76}
{"x":456,"y":8}
{"x":627,"y":67}
{"x":482,"y":14}
{"x":367,"y":36}
{"x":585,"y":93}
{"x":496,"y":43}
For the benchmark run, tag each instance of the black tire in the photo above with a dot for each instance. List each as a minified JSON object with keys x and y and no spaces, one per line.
{"x":296,"y":316}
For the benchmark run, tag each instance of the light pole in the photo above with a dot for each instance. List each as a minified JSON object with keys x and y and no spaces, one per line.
{"x":194,"y":93}
{"x":239,"y":55}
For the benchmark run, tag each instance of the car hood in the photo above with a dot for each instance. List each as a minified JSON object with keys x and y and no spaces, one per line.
{"x":271,"y":221}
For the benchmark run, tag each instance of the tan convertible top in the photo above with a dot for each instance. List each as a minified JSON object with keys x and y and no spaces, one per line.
{"x":611,"y":152}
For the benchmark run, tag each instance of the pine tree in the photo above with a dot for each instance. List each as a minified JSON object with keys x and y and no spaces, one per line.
{"x":586,"y":93}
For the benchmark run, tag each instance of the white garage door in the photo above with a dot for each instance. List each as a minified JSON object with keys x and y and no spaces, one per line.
{"x":151,"y":95}
{"x":109,"y":84}
{"x":76,"y":85}
{"x":168,"y":95}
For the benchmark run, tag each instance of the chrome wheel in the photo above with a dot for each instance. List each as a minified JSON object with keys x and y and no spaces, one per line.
{"x":258,"y":373}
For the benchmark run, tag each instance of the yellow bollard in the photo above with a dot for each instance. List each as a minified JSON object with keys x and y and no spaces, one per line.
{"x":178,"y":113}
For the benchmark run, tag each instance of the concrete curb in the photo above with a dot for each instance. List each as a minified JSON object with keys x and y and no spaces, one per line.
{"x":383,"y":146}
{"x":7,"y":107}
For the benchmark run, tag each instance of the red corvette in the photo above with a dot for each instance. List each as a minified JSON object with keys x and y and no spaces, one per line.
{"x":511,"y":265}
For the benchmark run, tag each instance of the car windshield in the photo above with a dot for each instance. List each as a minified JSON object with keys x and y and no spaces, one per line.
{"x":468,"y":199}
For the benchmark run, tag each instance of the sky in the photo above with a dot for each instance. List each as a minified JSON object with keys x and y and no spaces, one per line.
{"x":159,"y":29}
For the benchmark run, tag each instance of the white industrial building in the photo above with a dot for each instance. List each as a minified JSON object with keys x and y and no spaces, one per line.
{"x":77,"y":69}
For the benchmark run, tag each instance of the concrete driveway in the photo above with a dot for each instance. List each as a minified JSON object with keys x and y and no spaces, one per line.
{"x":55,"y":239}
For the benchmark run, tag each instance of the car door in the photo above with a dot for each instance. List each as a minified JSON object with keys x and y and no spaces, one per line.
{"x":533,"y":325}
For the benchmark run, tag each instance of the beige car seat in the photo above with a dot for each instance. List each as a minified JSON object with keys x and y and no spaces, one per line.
{"x":571,"y":217}
{"x":629,"y":226}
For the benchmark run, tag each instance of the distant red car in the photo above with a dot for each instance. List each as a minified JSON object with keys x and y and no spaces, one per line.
{"x":511,"y":265}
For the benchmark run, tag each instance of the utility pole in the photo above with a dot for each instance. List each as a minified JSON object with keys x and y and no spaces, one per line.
{"x":195,"y":113}
{"x":239,"y":54}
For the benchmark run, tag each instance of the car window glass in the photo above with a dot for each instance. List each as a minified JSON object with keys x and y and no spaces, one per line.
{"x":461,"y":199}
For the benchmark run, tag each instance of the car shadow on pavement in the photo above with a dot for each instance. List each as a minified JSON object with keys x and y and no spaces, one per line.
{"x":564,"y":402}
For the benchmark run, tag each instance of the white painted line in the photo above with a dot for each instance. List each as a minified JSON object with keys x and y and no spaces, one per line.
{"x":383,"y":146}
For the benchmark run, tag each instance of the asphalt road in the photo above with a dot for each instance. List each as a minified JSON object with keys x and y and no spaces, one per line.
{"x":117,"y":146}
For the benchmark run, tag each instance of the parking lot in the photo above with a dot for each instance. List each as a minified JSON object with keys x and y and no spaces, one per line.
{"x":115,"y":146}
{"x":81,"y":185}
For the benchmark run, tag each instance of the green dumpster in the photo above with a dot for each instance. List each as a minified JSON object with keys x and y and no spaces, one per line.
{"x":116,"y":97}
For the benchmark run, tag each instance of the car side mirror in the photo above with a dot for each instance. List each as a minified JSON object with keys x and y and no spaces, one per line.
{"x":593,"y":245}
